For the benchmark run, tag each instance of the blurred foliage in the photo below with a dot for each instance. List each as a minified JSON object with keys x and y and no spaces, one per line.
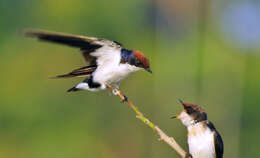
{"x":39,"y":119}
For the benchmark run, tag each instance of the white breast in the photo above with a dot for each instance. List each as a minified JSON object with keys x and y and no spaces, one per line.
{"x":109,"y":67}
{"x":201,"y":141}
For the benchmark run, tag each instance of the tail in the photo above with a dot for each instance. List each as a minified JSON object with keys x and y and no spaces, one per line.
{"x":85,"y":71}
{"x":69,"y":75}
{"x":73,"y":89}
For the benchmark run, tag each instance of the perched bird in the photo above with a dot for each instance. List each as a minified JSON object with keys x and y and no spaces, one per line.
{"x":203,"y":139}
{"x":108,"y":61}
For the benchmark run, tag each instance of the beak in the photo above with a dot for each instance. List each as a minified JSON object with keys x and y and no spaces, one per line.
{"x":174,"y":117}
{"x":180,"y":100}
{"x":148,"y":70}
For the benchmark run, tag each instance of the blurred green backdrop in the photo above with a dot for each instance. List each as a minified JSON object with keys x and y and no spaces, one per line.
{"x":196,"y":54}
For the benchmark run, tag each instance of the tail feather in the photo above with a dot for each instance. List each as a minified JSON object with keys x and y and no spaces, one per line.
{"x":85,"y":71}
{"x":69,"y":75}
{"x":73,"y":89}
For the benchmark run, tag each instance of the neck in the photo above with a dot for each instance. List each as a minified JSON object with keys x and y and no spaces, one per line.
{"x":196,"y":129}
{"x":127,"y":56}
{"x":195,"y":123}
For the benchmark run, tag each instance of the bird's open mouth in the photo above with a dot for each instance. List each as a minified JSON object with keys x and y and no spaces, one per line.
{"x":175,"y":117}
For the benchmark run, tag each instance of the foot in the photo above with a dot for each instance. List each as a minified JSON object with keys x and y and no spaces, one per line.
{"x":114,"y":91}
{"x":125,"y":99}
{"x":188,"y":155}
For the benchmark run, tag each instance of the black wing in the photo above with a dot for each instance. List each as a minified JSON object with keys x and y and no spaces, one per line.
{"x":219,"y":145}
{"x":86,"y":44}
{"x":66,"y":39}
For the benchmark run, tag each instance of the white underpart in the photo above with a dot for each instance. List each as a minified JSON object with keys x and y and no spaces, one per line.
{"x":84,"y":86}
{"x":186,"y":119}
{"x":201,"y":145}
{"x":109,"y":69}
{"x":200,"y":139}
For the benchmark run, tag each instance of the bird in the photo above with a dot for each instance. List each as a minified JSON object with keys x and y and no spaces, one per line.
{"x":108,"y":61}
{"x":204,"y":140}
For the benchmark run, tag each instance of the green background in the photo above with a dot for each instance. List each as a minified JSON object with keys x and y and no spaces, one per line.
{"x":190,"y":56}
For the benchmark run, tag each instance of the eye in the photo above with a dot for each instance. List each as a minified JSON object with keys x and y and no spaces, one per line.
{"x":138,"y":63}
{"x":189,"y":110}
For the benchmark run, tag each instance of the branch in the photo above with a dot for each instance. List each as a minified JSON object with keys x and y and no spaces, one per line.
{"x":163,"y":137}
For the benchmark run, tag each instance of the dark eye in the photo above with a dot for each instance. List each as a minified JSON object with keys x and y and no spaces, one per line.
{"x":139,"y":63}
{"x":189,"y":110}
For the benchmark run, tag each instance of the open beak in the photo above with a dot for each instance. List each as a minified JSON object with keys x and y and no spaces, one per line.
{"x":174,"y":117}
{"x":148,"y":70}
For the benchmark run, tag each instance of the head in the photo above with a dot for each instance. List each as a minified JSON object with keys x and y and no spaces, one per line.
{"x":135,"y":58}
{"x":191,"y":114}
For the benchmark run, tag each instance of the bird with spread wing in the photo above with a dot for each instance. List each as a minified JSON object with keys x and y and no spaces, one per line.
{"x":108,"y":61}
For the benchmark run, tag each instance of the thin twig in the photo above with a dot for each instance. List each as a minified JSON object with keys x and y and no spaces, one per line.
{"x":163,"y":137}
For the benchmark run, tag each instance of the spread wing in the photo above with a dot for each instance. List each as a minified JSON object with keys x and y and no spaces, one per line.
{"x":96,"y":51}
{"x":219,"y":146}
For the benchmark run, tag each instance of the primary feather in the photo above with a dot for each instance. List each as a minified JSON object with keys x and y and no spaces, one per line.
{"x":67,"y":39}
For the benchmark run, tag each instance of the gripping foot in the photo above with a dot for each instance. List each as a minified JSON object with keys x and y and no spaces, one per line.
{"x":125,"y":99}
{"x":188,"y":155}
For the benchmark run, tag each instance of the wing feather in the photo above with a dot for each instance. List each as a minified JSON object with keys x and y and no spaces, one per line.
{"x":96,"y":51}
{"x":86,"y":44}
{"x":219,"y":145}
{"x":82,"y":42}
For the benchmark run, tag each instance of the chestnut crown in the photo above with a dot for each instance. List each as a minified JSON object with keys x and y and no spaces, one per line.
{"x":136,"y":58}
{"x":195,"y":111}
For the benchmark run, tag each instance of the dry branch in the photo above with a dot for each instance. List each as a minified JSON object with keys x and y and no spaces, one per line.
{"x":163,"y":137}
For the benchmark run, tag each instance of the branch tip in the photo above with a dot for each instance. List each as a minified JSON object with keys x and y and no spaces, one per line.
{"x":163,"y":137}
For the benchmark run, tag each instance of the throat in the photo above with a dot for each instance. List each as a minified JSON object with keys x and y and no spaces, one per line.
{"x":127,"y":56}
{"x":196,"y":129}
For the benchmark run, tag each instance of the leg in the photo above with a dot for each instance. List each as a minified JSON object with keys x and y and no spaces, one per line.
{"x":188,"y":155}
{"x":116,"y":89}
{"x":125,"y":99}
{"x":115,"y":92}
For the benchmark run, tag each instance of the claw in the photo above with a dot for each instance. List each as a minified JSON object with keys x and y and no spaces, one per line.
{"x":114,"y":92}
{"x":125,"y":99}
{"x":188,"y":155}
